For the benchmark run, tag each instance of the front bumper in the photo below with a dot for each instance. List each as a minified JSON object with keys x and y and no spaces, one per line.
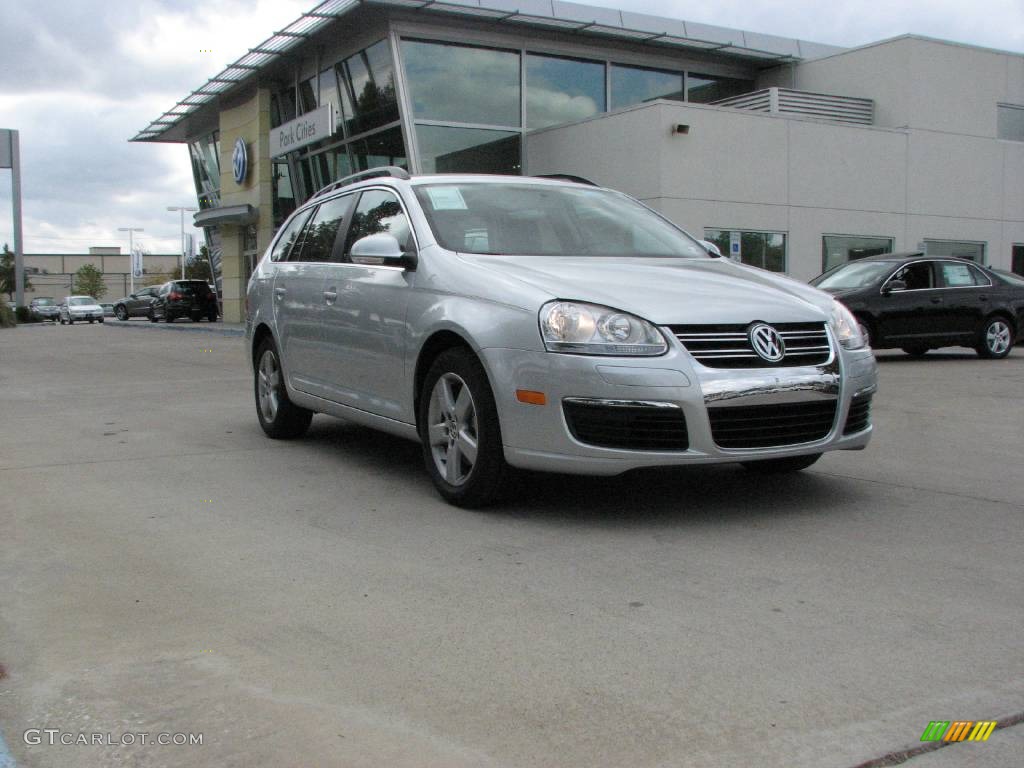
{"x":76,"y":316}
{"x":539,"y":438}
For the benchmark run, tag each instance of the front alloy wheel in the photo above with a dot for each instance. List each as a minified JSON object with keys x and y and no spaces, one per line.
{"x":459,"y":429}
{"x":996,"y":339}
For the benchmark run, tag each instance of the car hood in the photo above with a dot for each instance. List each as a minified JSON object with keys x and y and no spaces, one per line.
{"x":668,"y":291}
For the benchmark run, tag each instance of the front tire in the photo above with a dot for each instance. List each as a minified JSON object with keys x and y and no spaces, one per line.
{"x":460,"y":431}
{"x":995,"y":339}
{"x":782,"y":466}
{"x":278,"y":416}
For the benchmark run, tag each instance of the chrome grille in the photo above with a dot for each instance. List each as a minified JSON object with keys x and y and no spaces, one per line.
{"x":728,"y":346}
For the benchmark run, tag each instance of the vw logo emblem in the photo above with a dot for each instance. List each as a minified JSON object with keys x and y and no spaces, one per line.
{"x":240,"y":161}
{"x":767,"y":342}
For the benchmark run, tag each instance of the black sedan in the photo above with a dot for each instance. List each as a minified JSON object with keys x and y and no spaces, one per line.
{"x":916,"y":303}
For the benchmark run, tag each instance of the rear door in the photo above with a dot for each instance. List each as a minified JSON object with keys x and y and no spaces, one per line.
{"x":966,"y":292}
{"x":364,"y":317}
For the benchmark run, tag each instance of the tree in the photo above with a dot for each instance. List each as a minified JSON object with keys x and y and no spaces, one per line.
{"x":89,"y":282}
{"x":8,"y":284}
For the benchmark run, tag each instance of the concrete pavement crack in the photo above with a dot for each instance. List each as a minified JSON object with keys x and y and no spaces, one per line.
{"x":900,"y":756}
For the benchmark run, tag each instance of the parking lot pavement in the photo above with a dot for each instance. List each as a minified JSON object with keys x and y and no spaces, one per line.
{"x":168,"y":569}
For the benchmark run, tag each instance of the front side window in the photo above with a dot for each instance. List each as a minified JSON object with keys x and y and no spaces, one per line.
{"x":379,"y":212}
{"x":918,"y":276}
{"x":561,"y":90}
{"x":548,"y":220}
{"x":289,"y":237}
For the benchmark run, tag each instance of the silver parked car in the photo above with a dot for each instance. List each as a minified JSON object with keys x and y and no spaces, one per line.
{"x":543,"y":324}
{"x":80,"y":308}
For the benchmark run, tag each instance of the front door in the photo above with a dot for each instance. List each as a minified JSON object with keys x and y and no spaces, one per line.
{"x":364,"y":322}
{"x":911,"y":315}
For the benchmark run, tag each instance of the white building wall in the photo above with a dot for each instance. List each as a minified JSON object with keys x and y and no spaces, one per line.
{"x":807,"y":178}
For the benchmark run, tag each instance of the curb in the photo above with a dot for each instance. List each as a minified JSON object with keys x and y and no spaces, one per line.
{"x":215,"y":328}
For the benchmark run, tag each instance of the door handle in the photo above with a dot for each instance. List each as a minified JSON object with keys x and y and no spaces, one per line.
{"x":983,"y":297}
{"x":330,"y":296}
{"x":280,"y":292}
{"x":936,"y":300}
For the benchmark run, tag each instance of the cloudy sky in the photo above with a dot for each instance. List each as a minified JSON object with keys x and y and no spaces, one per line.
{"x":79,"y":79}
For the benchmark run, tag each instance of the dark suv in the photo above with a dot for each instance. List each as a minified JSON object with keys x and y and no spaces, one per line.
{"x":184,"y":298}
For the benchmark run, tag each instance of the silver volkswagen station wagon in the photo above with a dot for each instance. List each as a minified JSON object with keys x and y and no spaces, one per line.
{"x":545,"y":324}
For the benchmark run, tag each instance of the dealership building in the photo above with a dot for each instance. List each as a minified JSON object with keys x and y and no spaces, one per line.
{"x":791,"y":155}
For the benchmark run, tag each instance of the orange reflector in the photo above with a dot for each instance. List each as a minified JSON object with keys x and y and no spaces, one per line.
{"x":530,"y":397}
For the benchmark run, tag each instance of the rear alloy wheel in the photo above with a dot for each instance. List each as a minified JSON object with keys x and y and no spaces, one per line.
{"x":996,"y":339}
{"x":121,"y":312}
{"x":780,"y":466}
{"x":279,"y":417}
{"x":460,"y":432}
{"x":916,"y":350}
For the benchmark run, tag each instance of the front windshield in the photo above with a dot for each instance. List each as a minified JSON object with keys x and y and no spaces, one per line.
{"x":43,"y":302}
{"x":546,"y":220}
{"x":80,"y":301}
{"x":856,"y":274}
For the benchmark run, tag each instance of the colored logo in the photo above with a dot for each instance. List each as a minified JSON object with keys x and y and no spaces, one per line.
{"x":767,"y":342}
{"x":958,"y":730}
{"x":240,"y":161}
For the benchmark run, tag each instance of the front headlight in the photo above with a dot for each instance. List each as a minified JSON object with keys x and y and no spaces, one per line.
{"x":846,"y":328}
{"x":589,"y":329}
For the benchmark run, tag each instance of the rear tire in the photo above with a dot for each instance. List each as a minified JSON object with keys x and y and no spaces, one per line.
{"x":278,"y":416}
{"x":916,"y":351}
{"x":121,"y":313}
{"x":995,"y":340}
{"x":781,"y":466}
{"x":151,"y":316}
{"x":460,"y":432}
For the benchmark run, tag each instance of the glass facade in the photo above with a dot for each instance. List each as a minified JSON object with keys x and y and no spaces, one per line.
{"x":460,"y":84}
{"x":205,"y":154}
{"x":561,"y":90}
{"x":703,"y":89}
{"x":1010,"y":122}
{"x":766,"y":250}
{"x":635,"y":85}
{"x":839,"y":249}
{"x":961,"y":249}
{"x":447,"y":149}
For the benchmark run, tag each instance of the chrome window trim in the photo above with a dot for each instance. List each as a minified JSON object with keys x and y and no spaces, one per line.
{"x":935,"y":261}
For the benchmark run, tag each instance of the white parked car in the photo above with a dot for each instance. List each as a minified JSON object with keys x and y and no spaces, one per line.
{"x":74,"y":308}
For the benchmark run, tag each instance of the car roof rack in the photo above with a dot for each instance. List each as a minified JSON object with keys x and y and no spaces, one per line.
{"x":390,"y":171}
{"x":567,"y":177}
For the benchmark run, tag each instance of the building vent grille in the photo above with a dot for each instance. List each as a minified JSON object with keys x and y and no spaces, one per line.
{"x":819,"y":106}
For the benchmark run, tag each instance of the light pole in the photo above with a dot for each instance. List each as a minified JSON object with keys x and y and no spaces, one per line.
{"x":131,"y":253}
{"x":182,"y":209}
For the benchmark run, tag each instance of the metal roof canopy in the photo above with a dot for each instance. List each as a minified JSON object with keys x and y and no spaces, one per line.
{"x":545,"y":14}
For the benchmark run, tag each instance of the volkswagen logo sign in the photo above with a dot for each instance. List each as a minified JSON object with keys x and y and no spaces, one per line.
{"x":240,"y":161}
{"x":767,"y":342}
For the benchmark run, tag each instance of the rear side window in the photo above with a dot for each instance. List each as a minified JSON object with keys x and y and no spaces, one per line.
{"x":320,"y":240}
{"x":962,"y":275}
{"x":378,"y":212}
{"x":289,"y":236}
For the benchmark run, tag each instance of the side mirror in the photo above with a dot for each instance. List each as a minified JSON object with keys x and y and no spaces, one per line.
{"x":382,"y":248}
{"x":894,"y":286}
{"x":711,"y":248}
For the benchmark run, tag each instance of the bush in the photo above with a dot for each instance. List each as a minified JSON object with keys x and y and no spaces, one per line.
{"x":23,"y":315}
{"x":6,"y":315}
